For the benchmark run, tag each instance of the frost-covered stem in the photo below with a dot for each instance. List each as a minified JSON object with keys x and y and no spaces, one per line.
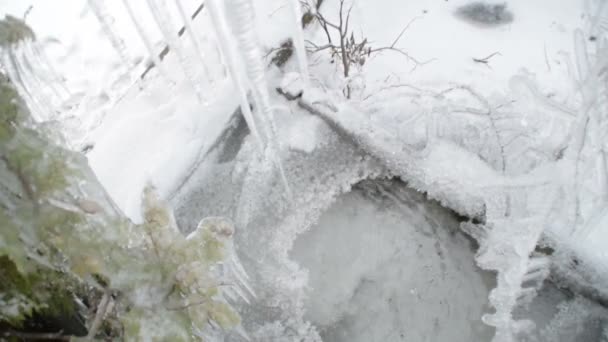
{"x":298,"y":40}
{"x":193,"y":37}
{"x":161,"y":15}
{"x":234,"y":66}
{"x":142,"y":35}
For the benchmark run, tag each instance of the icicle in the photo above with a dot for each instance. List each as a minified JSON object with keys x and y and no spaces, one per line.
{"x":195,"y":41}
{"x":506,"y":250}
{"x":298,"y":41}
{"x":142,"y":35}
{"x":106,"y":22}
{"x":161,"y":15}
{"x":234,"y":66}
{"x":244,"y":29}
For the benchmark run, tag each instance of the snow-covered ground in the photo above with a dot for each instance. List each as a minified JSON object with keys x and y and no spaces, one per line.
{"x":156,"y":129}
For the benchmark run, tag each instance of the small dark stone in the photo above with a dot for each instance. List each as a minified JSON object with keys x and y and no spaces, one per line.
{"x":486,"y":14}
{"x":592,"y":38}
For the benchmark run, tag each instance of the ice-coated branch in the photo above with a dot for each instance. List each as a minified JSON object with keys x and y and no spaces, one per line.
{"x":162,"y":17}
{"x":227,"y":46}
{"x":107,"y":24}
{"x":194,"y":39}
{"x":147,"y":43}
{"x":298,"y":39}
{"x":243,"y":27}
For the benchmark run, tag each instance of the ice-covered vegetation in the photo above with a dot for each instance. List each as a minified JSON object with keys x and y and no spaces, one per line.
{"x":67,"y":251}
{"x":525,"y":169}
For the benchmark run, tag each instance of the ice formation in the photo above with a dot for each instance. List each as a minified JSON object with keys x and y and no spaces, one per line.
{"x":107,"y":24}
{"x":194,"y":38}
{"x":241,"y":18}
{"x":161,"y":15}
{"x":514,"y":228}
{"x":216,"y":12}
{"x":147,"y":43}
{"x":298,"y":40}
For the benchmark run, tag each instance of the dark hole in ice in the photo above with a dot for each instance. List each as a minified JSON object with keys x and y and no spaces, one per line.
{"x":485,"y":14}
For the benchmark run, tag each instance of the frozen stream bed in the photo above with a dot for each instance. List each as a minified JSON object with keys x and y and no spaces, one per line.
{"x":386,"y":264}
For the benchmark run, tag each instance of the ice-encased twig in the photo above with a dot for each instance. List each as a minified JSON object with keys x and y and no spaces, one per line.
{"x":194,"y":38}
{"x":234,"y":67}
{"x":161,"y":15}
{"x":107,"y":24}
{"x":244,"y":29}
{"x":148,"y":44}
{"x":298,"y":40}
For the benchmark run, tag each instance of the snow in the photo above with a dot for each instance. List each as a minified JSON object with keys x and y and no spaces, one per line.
{"x":155,"y":137}
{"x":303,"y":134}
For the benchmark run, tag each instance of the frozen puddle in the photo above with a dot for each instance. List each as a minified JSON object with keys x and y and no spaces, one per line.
{"x":385,"y":264}
{"x":391,"y":266}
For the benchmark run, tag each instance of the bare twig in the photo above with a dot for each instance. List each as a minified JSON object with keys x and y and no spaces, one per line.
{"x":403,"y":30}
{"x":180,"y":33}
{"x":416,"y":62}
{"x":349,"y":51}
{"x":27,"y":12}
{"x":102,"y":309}
{"x":486,"y":60}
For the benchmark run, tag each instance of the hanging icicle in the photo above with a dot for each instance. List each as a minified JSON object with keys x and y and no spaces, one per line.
{"x":227,"y":47}
{"x":161,"y":15}
{"x":107,"y":25}
{"x":298,"y":40}
{"x":514,"y":229}
{"x":195,"y":41}
{"x":244,"y":30}
{"x":148,"y":44}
